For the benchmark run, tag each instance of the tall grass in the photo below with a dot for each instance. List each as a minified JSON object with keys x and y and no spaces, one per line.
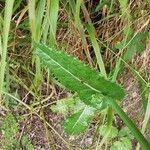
{"x":4,"y":41}
{"x":36,"y":13}
{"x":126,"y":19}
{"x":75,"y":8}
{"x":43,"y":23}
{"x":92,"y":34}
{"x":53,"y":9}
{"x":96,"y":47}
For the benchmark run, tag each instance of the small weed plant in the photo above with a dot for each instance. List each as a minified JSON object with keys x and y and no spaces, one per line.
{"x":10,"y":130}
{"x":94,"y":91}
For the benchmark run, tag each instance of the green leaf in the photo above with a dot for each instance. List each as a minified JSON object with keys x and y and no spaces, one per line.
{"x":103,"y":131}
{"x":27,"y":143}
{"x":118,"y":146}
{"x":125,"y":132}
{"x":99,"y":101}
{"x":136,"y":45}
{"x":71,"y":104}
{"x":12,"y":103}
{"x":122,"y":144}
{"x":9,"y":128}
{"x":74,"y":104}
{"x":80,"y":121}
{"x":127,"y":143}
{"x":76,"y":76}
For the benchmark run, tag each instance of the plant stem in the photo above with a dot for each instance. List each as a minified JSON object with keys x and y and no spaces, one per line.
{"x":109,"y":117}
{"x":134,"y":130}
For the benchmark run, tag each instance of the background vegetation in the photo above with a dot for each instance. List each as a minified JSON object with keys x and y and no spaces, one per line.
{"x":110,"y":36}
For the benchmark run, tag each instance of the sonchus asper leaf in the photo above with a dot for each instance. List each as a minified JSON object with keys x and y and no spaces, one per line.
{"x":76,"y":76}
{"x":79,"y":122}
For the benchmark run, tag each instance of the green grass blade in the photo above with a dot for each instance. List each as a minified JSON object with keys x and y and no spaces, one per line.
{"x":53,"y":17}
{"x":77,"y":12}
{"x":0,"y":46}
{"x":32,"y":21}
{"x":36,"y":19}
{"x":46,"y":26}
{"x":17,"y":4}
{"x":39,"y":19}
{"x":92,"y":33}
{"x":32,"y":18}
{"x":4,"y":42}
{"x":147,"y":115}
{"x":125,"y":9}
